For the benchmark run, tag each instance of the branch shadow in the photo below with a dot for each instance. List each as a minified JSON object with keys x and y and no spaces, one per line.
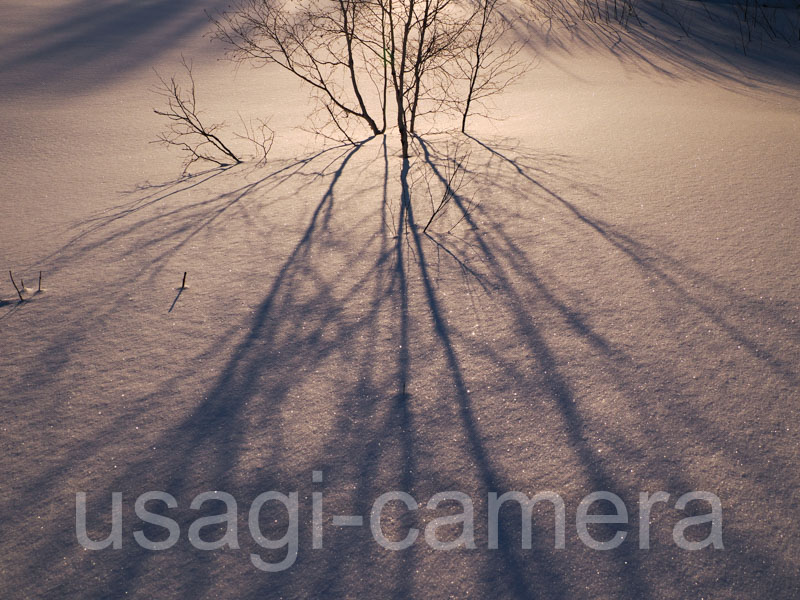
{"x":88,"y":44}
{"x":361,"y":360}
{"x":681,"y":40}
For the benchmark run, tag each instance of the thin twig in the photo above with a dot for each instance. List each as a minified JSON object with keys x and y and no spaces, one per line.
{"x":21,"y":299}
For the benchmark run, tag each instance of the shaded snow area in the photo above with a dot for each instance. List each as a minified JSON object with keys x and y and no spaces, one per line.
{"x":608,"y":304}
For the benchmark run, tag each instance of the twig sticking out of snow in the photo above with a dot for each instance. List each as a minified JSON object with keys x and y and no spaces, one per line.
{"x":21,"y":299}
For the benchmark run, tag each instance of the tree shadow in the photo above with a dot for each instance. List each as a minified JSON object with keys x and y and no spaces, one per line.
{"x":395,"y":359}
{"x":93,"y":43}
{"x":682,"y":40}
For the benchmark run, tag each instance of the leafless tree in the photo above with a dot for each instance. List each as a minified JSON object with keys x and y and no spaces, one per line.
{"x":353,"y":53}
{"x":489,"y":66}
{"x":426,"y":37}
{"x":198,"y":141}
{"x":201,"y":142}
{"x":318,"y":41}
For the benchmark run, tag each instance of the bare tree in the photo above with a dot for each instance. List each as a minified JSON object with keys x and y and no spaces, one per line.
{"x":318,"y":41}
{"x":489,"y":66}
{"x":198,"y":141}
{"x":354,"y":52}
{"x":427,"y":37}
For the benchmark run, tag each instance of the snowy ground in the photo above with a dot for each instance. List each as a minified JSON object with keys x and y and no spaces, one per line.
{"x":619,"y":312}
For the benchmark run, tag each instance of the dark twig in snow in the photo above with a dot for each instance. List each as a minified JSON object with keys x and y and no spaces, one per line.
{"x":21,"y":299}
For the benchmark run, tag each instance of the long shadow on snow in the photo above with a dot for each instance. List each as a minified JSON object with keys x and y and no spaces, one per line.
{"x":92,"y":43}
{"x":681,"y":40}
{"x":374,"y":442}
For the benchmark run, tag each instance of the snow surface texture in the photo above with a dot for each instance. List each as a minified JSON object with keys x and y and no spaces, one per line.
{"x":619,"y":312}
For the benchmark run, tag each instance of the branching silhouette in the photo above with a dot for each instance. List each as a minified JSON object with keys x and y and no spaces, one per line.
{"x":364,"y":355}
{"x":198,"y":141}
{"x":430,"y":56}
{"x":489,"y":66}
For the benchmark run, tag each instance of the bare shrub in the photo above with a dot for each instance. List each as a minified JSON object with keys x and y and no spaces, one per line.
{"x":430,"y":56}
{"x":197,"y":141}
{"x":489,"y":65}
{"x":319,"y":42}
